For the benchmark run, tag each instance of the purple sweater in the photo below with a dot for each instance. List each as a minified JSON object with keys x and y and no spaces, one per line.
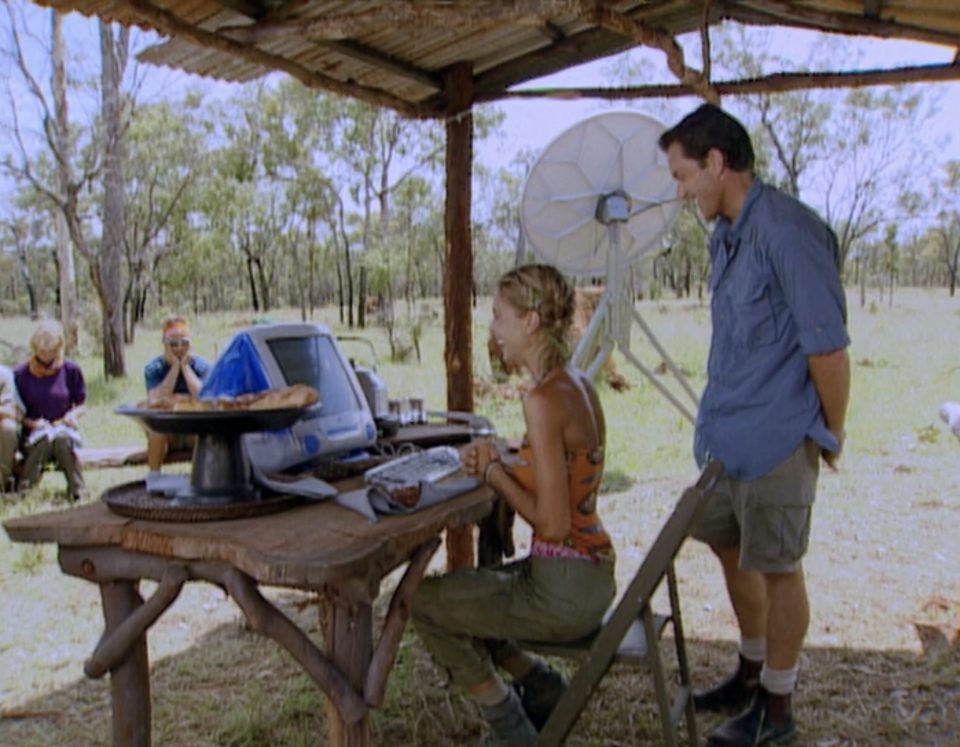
{"x":52,"y":397}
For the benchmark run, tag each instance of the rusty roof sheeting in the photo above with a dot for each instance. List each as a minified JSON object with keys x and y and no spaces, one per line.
{"x":395,"y":52}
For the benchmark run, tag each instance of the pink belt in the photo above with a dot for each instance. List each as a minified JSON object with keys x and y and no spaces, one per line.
{"x":542,"y":549}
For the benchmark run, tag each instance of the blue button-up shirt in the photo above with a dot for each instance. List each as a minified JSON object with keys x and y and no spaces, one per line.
{"x":776,"y":299}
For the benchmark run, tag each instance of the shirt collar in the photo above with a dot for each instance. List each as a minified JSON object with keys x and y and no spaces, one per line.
{"x":753,"y":194}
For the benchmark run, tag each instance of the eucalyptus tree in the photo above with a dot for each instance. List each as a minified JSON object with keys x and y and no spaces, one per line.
{"x":165,"y":158}
{"x":876,"y":161}
{"x":37,"y":122}
{"x":106,"y":264}
{"x":946,"y":199}
{"x":788,"y":128}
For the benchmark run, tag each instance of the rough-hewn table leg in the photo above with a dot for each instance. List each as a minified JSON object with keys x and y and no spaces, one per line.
{"x":130,"y":680}
{"x":460,"y":548}
{"x":348,"y":637}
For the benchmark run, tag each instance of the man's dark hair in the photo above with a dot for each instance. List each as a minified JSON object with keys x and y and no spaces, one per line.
{"x":707,"y":128}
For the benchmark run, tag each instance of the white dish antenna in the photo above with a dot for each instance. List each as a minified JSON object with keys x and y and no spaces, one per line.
{"x":599,"y":197}
{"x":606,"y":168}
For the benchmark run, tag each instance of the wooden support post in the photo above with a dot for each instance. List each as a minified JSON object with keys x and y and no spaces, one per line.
{"x":458,"y":274}
{"x":114,"y":647}
{"x":382,"y":661}
{"x":348,"y":636}
{"x":130,"y":679}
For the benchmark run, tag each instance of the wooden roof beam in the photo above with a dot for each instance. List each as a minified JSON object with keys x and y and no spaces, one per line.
{"x":405,"y":14}
{"x":170,"y":25}
{"x":776,"y":82}
{"x":844,"y":23}
{"x":659,"y":39}
{"x":587,"y":46}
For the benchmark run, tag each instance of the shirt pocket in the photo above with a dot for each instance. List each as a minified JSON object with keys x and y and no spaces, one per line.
{"x":754,"y":319}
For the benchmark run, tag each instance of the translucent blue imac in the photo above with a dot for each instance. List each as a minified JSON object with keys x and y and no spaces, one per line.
{"x":307,"y":353}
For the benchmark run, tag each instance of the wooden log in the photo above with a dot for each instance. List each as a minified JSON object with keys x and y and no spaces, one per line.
{"x":107,"y":564}
{"x":115,"y":646}
{"x":385,"y":653}
{"x":773,"y":83}
{"x":458,"y":273}
{"x":130,"y":679}
{"x":349,"y":639}
{"x":268,"y":620}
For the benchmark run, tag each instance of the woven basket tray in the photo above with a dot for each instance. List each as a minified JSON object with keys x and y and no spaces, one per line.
{"x":133,"y":501}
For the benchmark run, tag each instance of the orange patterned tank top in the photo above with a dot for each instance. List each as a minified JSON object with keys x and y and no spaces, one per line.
{"x":587,"y":539}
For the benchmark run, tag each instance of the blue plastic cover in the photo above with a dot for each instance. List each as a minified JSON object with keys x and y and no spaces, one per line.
{"x":237,"y":371}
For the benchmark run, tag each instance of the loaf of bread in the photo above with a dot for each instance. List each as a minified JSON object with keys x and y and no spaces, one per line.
{"x":298,"y":395}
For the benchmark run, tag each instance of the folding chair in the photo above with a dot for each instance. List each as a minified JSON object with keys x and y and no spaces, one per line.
{"x":631,"y":625}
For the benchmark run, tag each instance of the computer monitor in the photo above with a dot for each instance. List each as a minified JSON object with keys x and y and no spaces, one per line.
{"x":307,"y":353}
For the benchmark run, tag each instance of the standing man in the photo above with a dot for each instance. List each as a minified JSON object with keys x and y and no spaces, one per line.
{"x":778,"y":383}
{"x":177,"y":371}
{"x":11,"y":412}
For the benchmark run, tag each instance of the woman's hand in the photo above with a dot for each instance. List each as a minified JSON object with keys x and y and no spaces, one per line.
{"x":37,"y":425}
{"x":477,"y":455}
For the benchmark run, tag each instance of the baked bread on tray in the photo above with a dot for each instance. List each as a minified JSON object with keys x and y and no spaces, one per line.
{"x":298,"y":395}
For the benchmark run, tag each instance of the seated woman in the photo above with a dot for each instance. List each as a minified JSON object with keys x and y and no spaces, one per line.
{"x":469,"y":619}
{"x":11,"y":411}
{"x":54,"y":394}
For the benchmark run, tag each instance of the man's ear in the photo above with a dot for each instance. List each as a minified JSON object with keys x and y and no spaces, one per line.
{"x":716,"y":163}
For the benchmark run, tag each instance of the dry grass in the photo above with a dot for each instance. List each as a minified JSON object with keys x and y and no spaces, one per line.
{"x":883,"y":575}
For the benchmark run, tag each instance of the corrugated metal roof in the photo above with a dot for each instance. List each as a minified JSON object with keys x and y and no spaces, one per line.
{"x":394,"y":53}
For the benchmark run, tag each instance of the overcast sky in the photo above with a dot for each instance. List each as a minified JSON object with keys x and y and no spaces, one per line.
{"x":533,"y":124}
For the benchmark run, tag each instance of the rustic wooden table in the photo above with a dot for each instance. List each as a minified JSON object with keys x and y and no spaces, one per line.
{"x":316,"y":546}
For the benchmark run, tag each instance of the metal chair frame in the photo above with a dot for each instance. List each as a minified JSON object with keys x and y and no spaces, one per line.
{"x":630,"y":627}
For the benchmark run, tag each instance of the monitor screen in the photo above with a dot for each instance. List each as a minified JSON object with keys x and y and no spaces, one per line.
{"x":312,"y":360}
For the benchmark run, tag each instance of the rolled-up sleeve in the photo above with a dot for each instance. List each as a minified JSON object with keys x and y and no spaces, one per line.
{"x":806,"y":265}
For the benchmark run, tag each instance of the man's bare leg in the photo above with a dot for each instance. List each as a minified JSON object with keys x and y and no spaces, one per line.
{"x":157,"y":445}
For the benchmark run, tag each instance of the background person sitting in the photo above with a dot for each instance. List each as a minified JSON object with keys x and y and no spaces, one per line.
{"x":177,"y":371}
{"x":54,"y":395}
{"x":11,"y":411}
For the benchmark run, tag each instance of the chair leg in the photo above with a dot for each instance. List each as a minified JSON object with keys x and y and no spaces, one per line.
{"x":659,"y":679}
{"x":683,"y":665}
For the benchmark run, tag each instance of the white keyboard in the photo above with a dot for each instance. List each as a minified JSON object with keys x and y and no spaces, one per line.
{"x":429,"y":465}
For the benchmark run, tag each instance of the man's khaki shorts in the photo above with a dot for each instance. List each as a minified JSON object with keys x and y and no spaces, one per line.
{"x":767,"y":518}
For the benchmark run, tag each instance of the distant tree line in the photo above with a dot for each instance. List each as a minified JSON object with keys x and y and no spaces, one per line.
{"x":279,"y":196}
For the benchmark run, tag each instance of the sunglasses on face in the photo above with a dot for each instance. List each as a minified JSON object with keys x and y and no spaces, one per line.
{"x":178,"y":343}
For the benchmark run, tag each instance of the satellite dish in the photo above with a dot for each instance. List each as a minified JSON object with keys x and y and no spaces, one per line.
{"x":600,"y":196}
{"x":606,"y":168}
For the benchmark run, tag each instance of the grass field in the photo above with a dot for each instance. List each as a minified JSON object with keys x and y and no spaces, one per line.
{"x":883,"y":570}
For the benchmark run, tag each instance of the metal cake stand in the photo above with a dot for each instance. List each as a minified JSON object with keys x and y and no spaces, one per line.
{"x":221,"y":472}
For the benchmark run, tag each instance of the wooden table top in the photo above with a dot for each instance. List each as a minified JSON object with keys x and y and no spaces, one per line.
{"x":309,"y":546}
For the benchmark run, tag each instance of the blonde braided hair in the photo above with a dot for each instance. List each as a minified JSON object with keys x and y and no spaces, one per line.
{"x":543,"y":289}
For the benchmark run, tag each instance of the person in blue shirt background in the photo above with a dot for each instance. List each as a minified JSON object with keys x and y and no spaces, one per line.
{"x":778,"y":384}
{"x":177,"y":371}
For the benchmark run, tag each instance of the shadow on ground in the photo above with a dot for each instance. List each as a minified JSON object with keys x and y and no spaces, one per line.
{"x":234,"y":688}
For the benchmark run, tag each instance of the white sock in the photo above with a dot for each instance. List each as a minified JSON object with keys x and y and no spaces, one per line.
{"x":493,"y":696}
{"x":779,"y":681}
{"x":753,"y":649}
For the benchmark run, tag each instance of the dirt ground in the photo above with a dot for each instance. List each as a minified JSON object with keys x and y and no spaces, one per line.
{"x":883,"y":562}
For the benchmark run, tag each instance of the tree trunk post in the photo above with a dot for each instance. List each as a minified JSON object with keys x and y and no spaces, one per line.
{"x":130,"y":680}
{"x":348,"y":636}
{"x":458,"y":272}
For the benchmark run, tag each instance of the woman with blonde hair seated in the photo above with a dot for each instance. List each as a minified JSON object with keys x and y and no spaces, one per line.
{"x":54,"y":396}
{"x":471,"y":619}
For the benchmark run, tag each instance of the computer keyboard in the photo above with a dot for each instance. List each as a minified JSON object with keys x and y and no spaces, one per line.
{"x":429,"y":465}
